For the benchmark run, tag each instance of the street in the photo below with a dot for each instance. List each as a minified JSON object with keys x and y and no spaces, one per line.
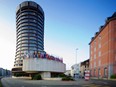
{"x":102,"y":83}
{"x":13,"y":82}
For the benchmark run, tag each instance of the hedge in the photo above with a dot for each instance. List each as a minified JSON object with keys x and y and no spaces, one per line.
{"x":37,"y":77}
{"x":113,"y":76}
{"x":67,"y":78}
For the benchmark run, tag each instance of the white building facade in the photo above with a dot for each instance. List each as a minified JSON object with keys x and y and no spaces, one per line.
{"x":75,"y":70}
{"x":68,"y":72}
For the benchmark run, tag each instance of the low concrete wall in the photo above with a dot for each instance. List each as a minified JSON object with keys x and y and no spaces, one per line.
{"x":22,"y":77}
{"x":29,"y":78}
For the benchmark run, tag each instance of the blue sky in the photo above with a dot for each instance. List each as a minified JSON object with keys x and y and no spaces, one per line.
{"x":69,"y":24}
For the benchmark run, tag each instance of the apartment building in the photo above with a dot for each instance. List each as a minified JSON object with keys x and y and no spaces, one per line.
{"x":84,"y":66}
{"x":103,"y":50}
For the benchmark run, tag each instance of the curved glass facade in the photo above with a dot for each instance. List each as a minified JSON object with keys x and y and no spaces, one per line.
{"x":30,"y":30}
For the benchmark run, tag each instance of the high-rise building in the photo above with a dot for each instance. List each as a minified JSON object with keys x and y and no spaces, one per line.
{"x":103,"y":50}
{"x":30,"y":37}
{"x":29,"y":30}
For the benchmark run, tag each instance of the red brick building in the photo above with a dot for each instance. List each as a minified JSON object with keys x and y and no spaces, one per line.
{"x":103,"y":50}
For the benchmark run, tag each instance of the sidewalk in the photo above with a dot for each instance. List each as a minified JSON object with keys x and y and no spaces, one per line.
{"x":102,"y":78}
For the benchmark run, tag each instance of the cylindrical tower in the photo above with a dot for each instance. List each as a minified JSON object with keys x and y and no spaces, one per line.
{"x":29,"y":30}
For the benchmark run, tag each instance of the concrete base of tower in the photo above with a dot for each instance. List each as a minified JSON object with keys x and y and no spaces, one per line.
{"x":43,"y":65}
{"x":17,"y":70}
{"x":43,"y":74}
{"x":46,"y":68}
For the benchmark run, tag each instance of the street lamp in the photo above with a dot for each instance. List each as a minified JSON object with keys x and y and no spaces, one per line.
{"x":76,"y":55}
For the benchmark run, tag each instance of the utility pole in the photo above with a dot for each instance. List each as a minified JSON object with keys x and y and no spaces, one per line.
{"x":76,"y":56}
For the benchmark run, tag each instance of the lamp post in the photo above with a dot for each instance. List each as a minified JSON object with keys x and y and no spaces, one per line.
{"x":76,"y":56}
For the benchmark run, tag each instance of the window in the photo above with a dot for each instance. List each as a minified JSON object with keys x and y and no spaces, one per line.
{"x":23,"y":38}
{"x":94,"y":64}
{"x":32,"y":41}
{"x":33,"y":4}
{"x":32,"y":48}
{"x":24,"y":44}
{"x":99,"y":45}
{"x":20,"y":64}
{"x":99,"y":73}
{"x":25,"y":34}
{"x":99,"y":39}
{"x":32,"y":45}
{"x":99,"y":53}
{"x":32,"y":34}
{"x":99,"y":42}
{"x":99,"y":63}
{"x":94,"y":72}
{"x":94,"y":56}
{"x":34,"y":38}
{"x":25,"y":41}
{"x":94,"y":49}
{"x":24,"y":48}
{"x":105,"y":72}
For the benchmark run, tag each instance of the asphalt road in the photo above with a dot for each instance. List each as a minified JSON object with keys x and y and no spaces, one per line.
{"x":13,"y":82}
{"x":103,"y":83}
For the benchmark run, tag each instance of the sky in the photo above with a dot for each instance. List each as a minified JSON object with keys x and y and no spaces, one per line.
{"x":69,"y":24}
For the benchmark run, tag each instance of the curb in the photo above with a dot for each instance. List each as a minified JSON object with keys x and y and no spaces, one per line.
{"x":103,"y":79}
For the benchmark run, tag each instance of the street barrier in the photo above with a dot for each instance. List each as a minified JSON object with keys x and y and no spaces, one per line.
{"x":87,"y":75}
